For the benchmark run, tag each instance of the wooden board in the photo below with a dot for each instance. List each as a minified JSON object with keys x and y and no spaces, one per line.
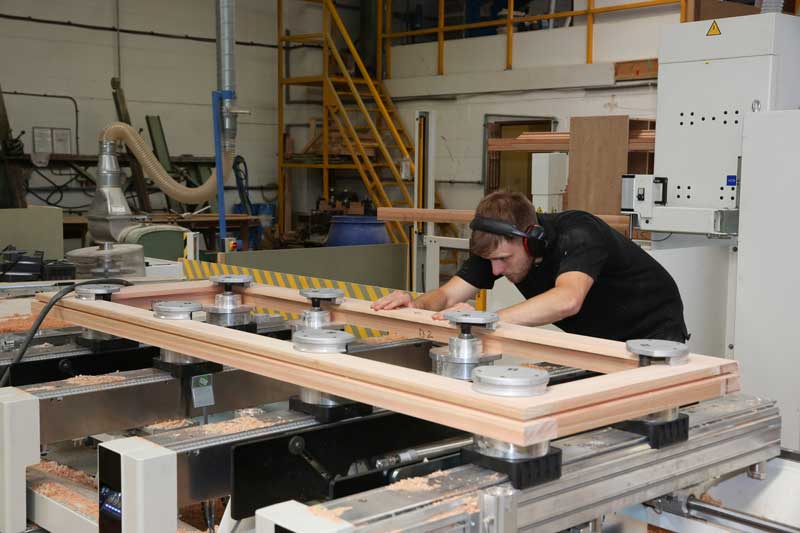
{"x":562,"y":410}
{"x":637,"y":69}
{"x":598,"y":158}
{"x":405,"y":214}
{"x":639,"y":140}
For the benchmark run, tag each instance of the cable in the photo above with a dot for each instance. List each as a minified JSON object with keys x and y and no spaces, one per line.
{"x":43,"y":313}
{"x":662,"y":240}
{"x":241,"y":173}
{"x":57,"y":189}
{"x":143,"y":32}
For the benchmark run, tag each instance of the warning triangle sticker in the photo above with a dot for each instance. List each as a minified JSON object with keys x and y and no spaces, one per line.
{"x":713,"y":30}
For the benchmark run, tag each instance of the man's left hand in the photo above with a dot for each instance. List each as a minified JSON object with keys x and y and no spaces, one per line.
{"x":457,"y":307}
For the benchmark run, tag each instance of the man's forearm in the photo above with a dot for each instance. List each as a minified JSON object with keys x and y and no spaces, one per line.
{"x":435,"y":300}
{"x":551,"y":306}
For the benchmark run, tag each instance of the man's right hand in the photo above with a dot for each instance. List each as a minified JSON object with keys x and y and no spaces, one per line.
{"x":393,"y":301}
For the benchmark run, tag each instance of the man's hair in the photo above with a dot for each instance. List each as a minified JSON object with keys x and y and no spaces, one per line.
{"x":511,"y":207}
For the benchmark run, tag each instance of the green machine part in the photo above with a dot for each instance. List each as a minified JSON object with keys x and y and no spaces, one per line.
{"x":160,"y":241}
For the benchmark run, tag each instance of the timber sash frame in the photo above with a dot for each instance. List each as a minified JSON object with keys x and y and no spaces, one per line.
{"x":623,"y":391}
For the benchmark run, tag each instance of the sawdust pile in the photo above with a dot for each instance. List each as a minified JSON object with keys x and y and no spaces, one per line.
{"x":169,"y":425}
{"x":334,"y":515}
{"x":65,"y":495}
{"x":66,"y":472}
{"x":94,"y":380}
{"x":417,"y":484}
{"x":237,"y":425}
{"x":25,"y":322}
{"x":41,"y":388}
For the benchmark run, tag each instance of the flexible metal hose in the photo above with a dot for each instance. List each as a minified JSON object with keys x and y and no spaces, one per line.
{"x":119,"y":131}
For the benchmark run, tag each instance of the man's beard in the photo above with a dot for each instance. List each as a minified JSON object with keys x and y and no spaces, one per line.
{"x":514,"y":278}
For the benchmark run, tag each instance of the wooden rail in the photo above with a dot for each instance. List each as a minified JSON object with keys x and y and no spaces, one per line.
{"x":544,"y":142}
{"x":620,"y":223}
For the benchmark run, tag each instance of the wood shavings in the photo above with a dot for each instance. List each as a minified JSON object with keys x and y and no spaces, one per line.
{"x":41,"y":388}
{"x":417,"y":484}
{"x":66,"y":472}
{"x":238,"y":425}
{"x":67,"y":496}
{"x":25,"y":322}
{"x":708,"y":498}
{"x":334,"y":515}
{"x":169,"y":425}
{"x":94,"y":380}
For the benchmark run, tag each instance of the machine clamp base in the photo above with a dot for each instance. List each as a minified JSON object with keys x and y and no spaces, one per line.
{"x":181,"y":371}
{"x":522,"y":473}
{"x":327,"y":414}
{"x":106,"y":345}
{"x":659,"y":434}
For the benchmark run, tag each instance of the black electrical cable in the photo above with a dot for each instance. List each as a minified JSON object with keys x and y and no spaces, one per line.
{"x":242,"y":175}
{"x":57,"y":189}
{"x":145,"y":33}
{"x":43,"y":313}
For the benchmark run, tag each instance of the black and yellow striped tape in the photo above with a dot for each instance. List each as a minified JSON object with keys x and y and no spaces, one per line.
{"x":195,"y":270}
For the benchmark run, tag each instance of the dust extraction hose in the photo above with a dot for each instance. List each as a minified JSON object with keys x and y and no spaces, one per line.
{"x":119,"y":131}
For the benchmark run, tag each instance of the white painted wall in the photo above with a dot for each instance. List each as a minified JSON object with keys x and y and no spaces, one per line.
{"x":459,"y":123}
{"x":168,"y":77}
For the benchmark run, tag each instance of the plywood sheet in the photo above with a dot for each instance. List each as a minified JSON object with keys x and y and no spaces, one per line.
{"x":598,"y":157}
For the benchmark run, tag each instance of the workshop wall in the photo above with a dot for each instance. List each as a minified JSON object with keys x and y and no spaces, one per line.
{"x":460,"y":117}
{"x":172,"y":78}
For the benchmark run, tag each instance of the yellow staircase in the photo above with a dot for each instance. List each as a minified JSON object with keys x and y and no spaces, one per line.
{"x":359,"y":120}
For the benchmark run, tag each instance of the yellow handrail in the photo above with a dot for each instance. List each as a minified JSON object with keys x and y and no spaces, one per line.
{"x":385,"y":37}
{"x":370,"y":85}
{"x":347,"y":131}
{"x":370,"y":124}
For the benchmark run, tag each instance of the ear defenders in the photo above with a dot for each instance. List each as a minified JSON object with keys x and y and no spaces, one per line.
{"x":533,"y":238}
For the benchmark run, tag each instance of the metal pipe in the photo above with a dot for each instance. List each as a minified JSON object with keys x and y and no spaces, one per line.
{"x":697,"y":507}
{"x":226,"y":69}
{"x":223,"y":100}
{"x":118,"y":41}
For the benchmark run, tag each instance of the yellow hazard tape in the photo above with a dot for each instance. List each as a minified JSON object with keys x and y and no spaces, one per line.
{"x":195,"y":270}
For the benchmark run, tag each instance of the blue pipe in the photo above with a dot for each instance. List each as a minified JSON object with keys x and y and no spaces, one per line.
{"x":217,"y":98}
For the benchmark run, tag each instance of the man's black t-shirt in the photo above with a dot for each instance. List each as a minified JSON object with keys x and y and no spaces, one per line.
{"x":633,"y":296}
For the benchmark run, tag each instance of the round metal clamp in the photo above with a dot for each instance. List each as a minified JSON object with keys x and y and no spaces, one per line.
{"x":176,"y":309}
{"x":229,"y":280}
{"x":482,"y":319}
{"x":509,"y":380}
{"x":321,"y":340}
{"x":317,"y":295}
{"x":94,"y":291}
{"x":508,"y":450}
{"x":233,"y":279}
{"x":657,"y":351}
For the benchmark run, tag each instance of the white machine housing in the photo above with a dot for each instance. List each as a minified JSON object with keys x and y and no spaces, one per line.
{"x":707,"y":82}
